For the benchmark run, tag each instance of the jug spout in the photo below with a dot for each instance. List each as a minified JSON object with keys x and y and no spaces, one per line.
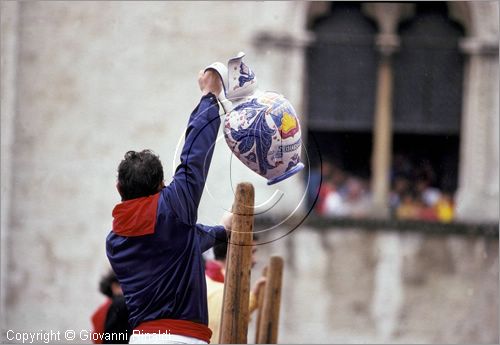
{"x":242,"y":80}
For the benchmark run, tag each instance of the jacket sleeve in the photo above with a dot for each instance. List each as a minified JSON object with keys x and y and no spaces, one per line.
{"x":184,"y":192}
{"x":208,"y":235}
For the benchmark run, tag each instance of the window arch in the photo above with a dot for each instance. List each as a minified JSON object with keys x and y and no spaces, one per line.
{"x":427,"y":96}
{"x":342,"y":67}
{"x":428,"y":73}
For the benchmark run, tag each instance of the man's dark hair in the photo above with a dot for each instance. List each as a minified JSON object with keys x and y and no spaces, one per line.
{"x":106,"y":283}
{"x":220,"y":248}
{"x":139,"y":174}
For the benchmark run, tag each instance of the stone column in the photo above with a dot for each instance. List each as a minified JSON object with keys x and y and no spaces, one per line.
{"x":387,"y":16}
{"x":382,"y":133}
{"x":478,"y":192}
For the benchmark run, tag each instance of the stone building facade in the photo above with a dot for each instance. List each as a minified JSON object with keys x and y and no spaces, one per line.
{"x":83,"y":82}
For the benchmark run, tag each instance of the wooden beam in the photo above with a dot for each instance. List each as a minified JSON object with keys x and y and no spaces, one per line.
{"x":268,"y":332}
{"x":235,"y":313}
{"x":260,"y":305}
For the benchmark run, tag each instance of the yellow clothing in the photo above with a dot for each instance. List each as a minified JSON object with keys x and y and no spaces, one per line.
{"x":444,"y":210}
{"x":253,"y":304}
{"x":215,"y":294}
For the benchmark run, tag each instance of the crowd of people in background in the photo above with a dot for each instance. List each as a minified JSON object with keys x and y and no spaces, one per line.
{"x":413,"y":194}
{"x":340,"y":193}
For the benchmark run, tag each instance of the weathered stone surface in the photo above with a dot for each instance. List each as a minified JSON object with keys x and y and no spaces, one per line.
{"x":354,"y":286}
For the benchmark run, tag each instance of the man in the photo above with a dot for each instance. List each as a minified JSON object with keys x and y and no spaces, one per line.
{"x":155,"y":246}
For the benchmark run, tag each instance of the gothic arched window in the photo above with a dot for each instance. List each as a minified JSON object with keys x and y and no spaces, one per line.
{"x":342,"y":73}
{"x":428,"y":73}
{"x":342,"y":67}
{"x":427,"y":96}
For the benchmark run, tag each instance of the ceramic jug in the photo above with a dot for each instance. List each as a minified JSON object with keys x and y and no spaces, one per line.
{"x":261,"y":127}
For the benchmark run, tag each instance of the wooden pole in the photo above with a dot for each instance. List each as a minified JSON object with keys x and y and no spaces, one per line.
{"x":260,"y":305}
{"x":268,"y":332}
{"x":235,"y":313}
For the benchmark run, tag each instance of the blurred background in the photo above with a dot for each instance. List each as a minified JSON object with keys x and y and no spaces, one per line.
{"x":399,"y":113}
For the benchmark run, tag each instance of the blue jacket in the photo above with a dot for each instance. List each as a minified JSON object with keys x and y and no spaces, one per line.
{"x":155,"y":246}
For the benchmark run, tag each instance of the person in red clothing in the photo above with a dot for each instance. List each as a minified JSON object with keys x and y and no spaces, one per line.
{"x":111,"y":316}
{"x":99,"y":316}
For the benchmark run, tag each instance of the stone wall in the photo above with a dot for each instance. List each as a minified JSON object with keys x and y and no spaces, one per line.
{"x":355,"y":286}
{"x":87,"y":82}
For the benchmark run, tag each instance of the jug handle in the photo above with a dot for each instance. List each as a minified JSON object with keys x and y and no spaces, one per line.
{"x":221,"y":70}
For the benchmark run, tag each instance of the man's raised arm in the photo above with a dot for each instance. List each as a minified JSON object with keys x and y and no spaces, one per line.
{"x":184,"y":193}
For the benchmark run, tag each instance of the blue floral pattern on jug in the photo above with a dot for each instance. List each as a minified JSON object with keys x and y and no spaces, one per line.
{"x":258,"y":133}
